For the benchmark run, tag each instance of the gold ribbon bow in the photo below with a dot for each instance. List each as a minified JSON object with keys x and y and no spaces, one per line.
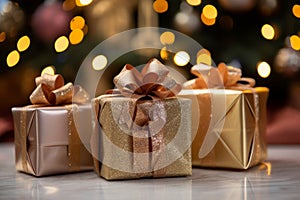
{"x":51,"y":90}
{"x":154,"y":83}
{"x":221,"y":77}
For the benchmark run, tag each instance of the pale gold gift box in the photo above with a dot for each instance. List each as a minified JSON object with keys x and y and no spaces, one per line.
{"x":115,"y":145}
{"x":47,"y":140}
{"x":228,"y":127}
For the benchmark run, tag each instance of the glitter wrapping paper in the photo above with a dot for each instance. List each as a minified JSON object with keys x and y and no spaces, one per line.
{"x":47,"y":140}
{"x":235,"y":136}
{"x":120,"y":151}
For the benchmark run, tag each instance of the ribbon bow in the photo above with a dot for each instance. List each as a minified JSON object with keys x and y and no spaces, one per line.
{"x":51,"y":90}
{"x":152,"y":81}
{"x":221,"y":77}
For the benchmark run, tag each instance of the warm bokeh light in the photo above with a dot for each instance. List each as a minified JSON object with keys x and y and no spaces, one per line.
{"x":99,"y":62}
{"x":13,"y":58}
{"x":194,"y":2}
{"x":181,"y":58}
{"x":77,"y":22}
{"x":83,"y":2}
{"x":2,"y":36}
{"x":204,"y":58}
{"x":160,"y":6}
{"x":295,"y":42}
{"x":85,"y":29}
{"x":206,"y":21}
{"x":167,"y":38}
{"x":296,"y":10}
{"x":69,"y":5}
{"x":210,"y":12}
{"x":61,"y":44}
{"x":23,"y":43}
{"x":76,"y":36}
{"x":268,"y":31}
{"x":48,"y":70}
{"x":263,"y":69}
{"x":164,"y":54}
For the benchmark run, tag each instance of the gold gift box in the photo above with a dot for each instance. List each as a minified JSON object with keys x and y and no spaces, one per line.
{"x":123,"y":156}
{"x":47,"y":140}
{"x":228,"y":127}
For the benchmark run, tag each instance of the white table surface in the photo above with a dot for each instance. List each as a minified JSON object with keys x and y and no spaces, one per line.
{"x":280,"y":181}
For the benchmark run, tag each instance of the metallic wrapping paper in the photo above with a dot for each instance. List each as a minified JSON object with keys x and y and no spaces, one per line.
{"x":47,"y":140}
{"x":178,"y":124}
{"x":240,"y":141}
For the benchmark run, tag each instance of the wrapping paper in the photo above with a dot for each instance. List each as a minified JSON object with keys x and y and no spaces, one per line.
{"x":125,"y":155}
{"x":228,"y":127}
{"x":47,"y":140}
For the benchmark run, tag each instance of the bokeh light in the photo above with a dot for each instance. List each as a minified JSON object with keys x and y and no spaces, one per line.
{"x":181,"y":58}
{"x":81,"y":3}
{"x":268,"y":31}
{"x":160,"y":6}
{"x":13,"y":58}
{"x":167,"y":38}
{"x":164,"y":54}
{"x":263,"y":69}
{"x":48,"y":70}
{"x":210,"y":12}
{"x":61,"y":44}
{"x":2,"y":36}
{"x":76,"y":36}
{"x":69,"y":5}
{"x":194,"y":2}
{"x":206,"y":21}
{"x":296,"y":10}
{"x":23,"y":43}
{"x":77,"y":22}
{"x":295,"y":42}
{"x":99,"y":62}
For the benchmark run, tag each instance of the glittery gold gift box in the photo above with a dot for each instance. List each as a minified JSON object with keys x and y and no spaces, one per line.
{"x":228,"y":127}
{"x":125,"y":149}
{"x":47,"y":140}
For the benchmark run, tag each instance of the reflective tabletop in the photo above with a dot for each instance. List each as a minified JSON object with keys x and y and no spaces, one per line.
{"x":277,"y":178}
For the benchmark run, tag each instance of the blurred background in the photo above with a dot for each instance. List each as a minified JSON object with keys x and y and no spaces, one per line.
{"x":262,"y":37}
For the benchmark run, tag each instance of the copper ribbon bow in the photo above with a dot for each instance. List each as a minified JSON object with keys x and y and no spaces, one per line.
{"x":152,"y":82}
{"x":221,"y":77}
{"x":51,"y":90}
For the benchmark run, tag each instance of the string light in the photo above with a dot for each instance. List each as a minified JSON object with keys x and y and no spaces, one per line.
{"x":160,"y":6}
{"x":268,"y":31}
{"x":296,"y":10}
{"x":76,"y":36}
{"x":210,"y":12}
{"x":206,"y":21}
{"x":77,"y":22}
{"x":61,"y":44}
{"x":194,"y":2}
{"x":295,"y":42}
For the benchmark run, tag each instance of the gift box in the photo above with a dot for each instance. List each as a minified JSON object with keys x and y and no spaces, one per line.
{"x":52,"y":138}
{"x":229,"y":123}
{"x":139,"y":134}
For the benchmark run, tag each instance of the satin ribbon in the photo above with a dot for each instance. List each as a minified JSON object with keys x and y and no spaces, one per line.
{"x":152,"y":83}
{"x":51,"y":90}
{"x":221,"y":77}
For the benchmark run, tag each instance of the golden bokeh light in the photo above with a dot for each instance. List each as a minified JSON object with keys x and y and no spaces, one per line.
{"x":164,"y":54}
{"x":194,"y":2}
{"x":99,"y":62}
{"x":296,"y":10}
{"x":13,"y":58}
{"x":210,"y":12}
{"x":85,"y":29}
{"x":61,"y":44}
{"x":76,"y":36}
{"x":81,"y":3}
{"x":69,"y":5}
{"x":268,"y":31}
{"x":2,"y":36}
{"x":206,"y":21}
{"x":48,"y":70}
{"x":295,"y":42}
{"x":77,"y":22}
{"x":181,"y":58}
{"x":204,"y":58}
{"x":263,"y":69}
{"x":160,"y":6}
{"x":23,"y":43}
{"x":167,"y":38}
